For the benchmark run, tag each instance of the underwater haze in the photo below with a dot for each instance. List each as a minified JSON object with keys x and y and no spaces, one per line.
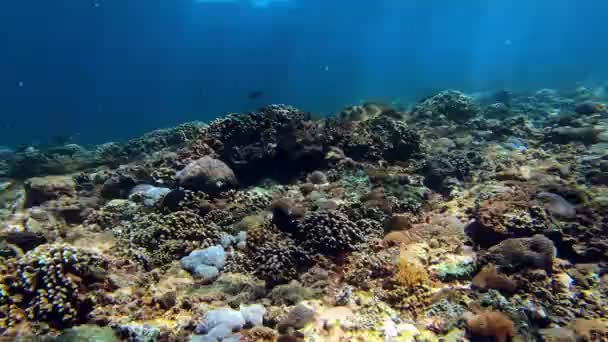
{"x":104,"y":70}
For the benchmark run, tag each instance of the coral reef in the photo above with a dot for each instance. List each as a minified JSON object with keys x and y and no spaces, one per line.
{"x":469,"y":218}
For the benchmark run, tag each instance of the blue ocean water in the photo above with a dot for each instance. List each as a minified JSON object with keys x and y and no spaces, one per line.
{"x":103,"y":70}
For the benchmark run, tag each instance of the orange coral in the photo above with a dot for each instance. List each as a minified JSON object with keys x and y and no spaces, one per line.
{"x":489,"y":278}
{"x":490,"y":324}
{"x":259,"y":334}
{"x":409,"y":274}
{"x":396,"y":238}
{"x":589,"y":328}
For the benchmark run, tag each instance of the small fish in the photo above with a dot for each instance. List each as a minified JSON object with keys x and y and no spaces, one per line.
{"x":255,"y":94}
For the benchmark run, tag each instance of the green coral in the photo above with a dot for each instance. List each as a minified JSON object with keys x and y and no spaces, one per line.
{"x":292,"y":294}
{"x":451,"y":270}
{"x":88,"y":333}
{"x":373,"y":312}
{"x":237,"y":288}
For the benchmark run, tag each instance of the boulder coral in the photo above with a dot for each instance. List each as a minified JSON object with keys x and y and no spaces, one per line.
{"x":207,"y":174}
{"x":450,"y":104}
{"x":513,"y":254}
{"x":490,"y":324}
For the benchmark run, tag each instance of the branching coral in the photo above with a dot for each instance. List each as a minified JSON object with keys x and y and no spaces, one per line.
{"x":112,"y":214}
{"x":158,"y":239}
{"x":330,"y":232}
{"x":51,"y":283}
{"x":273,"y":256}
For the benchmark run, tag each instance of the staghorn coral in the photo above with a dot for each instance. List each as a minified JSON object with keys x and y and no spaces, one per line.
{"x":158,"y":239}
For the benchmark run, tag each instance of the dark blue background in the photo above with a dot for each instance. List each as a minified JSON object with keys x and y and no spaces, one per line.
{"x":115,"y":71}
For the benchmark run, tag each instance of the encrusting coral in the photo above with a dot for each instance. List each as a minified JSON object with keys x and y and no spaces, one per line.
{"x":491,"y":324}
{"x":489,"y":278}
